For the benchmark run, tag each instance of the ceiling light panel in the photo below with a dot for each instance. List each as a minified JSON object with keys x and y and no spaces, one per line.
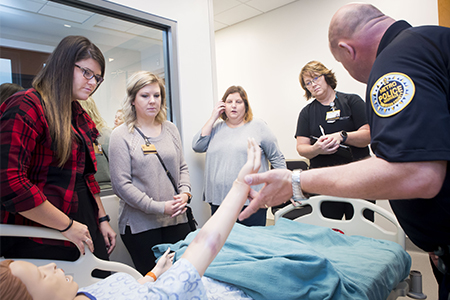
{"x":237,"y":14}
{"x":27,"y":5}
{"x":115,"y":24}
{"x":219,"y":6}
{"x":268,"y":5}
{"x":65,"y":12}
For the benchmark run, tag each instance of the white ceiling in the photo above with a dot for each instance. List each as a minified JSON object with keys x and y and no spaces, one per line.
{"x":23,"y":15}
{"x":229,"y":12}
{"x":43,"y":23}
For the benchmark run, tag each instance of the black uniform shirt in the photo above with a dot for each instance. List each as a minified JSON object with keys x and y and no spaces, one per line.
{"x":408,"y":105}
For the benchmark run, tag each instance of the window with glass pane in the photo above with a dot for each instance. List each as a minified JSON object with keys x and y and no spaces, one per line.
{"x":31,"y":29}
{"x":130,"y":41}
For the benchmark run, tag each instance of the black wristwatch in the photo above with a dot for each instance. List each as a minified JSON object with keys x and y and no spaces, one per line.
{"x":344,"y":136}
{"x":103,"y":219}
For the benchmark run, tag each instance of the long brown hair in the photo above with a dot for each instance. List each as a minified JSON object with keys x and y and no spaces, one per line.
{"x":55,"y":84}
{"x":11,"y":287}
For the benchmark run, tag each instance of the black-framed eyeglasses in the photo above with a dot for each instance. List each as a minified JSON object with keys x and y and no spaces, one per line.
{"x":313,"y":80}
{"x":88,"y":74}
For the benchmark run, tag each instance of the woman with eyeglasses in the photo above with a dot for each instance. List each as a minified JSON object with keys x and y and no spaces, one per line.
{"x":48,"y":160}
{"x":332,"y":129}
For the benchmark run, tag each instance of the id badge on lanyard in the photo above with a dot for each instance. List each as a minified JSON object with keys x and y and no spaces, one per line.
{"x":147,"y":148}
{"x":334,"y":114}
{"x":98,"y":149}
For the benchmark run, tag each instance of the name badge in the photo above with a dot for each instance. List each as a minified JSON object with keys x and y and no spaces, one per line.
{"x":333,"y":115}
{"x":149,"y":149}
{"x":98,"y":149}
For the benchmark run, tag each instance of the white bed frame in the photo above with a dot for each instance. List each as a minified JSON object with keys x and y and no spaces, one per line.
{"x":358,"y":225}
{"x":80,"y":269}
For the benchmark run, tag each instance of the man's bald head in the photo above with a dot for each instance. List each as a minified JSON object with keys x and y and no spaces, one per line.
{"x":355,"y":32}
{"x":350,"y":19}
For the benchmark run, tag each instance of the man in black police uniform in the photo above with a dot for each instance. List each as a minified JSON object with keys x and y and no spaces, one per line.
{"x":407,"y":71}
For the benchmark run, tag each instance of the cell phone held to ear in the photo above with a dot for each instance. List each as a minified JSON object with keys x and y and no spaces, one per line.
{"x":343,"y":150}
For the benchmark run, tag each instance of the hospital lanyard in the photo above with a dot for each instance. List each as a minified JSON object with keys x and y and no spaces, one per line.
{"x":333,"y":104}
{"x":146,"y":139}
{"x":149,"y":148}
{"x":333,"y":114}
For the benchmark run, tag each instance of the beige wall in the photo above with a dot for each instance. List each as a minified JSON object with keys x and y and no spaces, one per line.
{"x":265,"y":55}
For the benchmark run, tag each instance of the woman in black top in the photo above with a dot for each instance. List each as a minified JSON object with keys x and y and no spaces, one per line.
{"x":332,"y":129}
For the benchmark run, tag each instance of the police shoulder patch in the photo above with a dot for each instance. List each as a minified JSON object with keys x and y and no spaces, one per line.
{"x":391,"y":93}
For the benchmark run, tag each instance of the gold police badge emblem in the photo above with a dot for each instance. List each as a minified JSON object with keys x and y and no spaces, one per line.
{"x":391,"y":93}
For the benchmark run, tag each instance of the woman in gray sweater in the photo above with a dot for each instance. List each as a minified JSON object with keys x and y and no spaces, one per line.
{"x":226,"y":152}
{"x":151,"y":211}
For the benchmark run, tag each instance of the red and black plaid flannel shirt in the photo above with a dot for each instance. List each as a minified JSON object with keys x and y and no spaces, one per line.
{"x":29,"y":172}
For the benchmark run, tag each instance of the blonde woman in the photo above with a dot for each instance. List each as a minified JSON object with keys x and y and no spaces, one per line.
{"x":151,"y":211}
{"x":118,"y":118}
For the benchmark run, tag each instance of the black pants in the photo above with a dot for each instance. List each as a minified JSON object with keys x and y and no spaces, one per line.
{"x":444,"y":287}
{"x":443,"y":279}
{"x":140,"y":245}
{"x":257,"y":219}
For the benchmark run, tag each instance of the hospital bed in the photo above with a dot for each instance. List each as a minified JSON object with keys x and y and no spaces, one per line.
{"x":358,"y":225}
{"x":82,"y":268}
{"x":294,"y":260}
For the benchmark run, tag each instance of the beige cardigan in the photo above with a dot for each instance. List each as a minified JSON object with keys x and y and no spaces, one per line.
{"x":139,"y":179}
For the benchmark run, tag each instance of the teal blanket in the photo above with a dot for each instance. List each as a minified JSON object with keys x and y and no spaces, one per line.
{"x":291,"y":260}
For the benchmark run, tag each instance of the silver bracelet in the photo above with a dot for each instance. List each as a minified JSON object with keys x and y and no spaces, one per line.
{"x":297,"y":194}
